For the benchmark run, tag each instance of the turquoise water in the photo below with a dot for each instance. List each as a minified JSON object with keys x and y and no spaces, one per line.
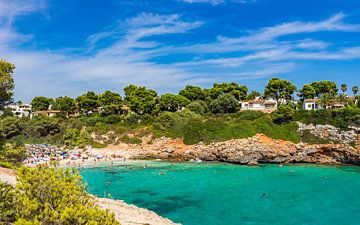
{"x":221,"y":194}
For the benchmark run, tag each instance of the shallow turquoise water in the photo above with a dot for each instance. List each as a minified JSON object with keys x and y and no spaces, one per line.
{"x":217,"y":193}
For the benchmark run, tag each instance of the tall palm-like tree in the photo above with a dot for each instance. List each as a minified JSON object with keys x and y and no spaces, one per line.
{"x":344,"y":88}
{"x":355,"y":90}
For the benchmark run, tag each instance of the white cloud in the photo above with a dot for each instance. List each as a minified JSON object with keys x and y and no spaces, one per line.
{"x":334,"y":23}
{"x":130,"y":57}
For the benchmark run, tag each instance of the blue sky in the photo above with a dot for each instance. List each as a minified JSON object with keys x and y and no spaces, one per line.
{"x":66,"y":47}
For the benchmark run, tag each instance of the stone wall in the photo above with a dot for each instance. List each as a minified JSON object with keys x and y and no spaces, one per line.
{"x":331,"y":133}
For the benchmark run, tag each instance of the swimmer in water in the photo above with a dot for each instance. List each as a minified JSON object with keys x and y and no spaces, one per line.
{"x":162,"y":173}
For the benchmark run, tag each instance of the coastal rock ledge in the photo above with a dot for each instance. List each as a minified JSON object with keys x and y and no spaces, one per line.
{"x":251,"y":151}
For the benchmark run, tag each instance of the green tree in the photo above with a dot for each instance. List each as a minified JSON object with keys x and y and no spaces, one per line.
{"x":75,"y":137}
{"x":111,"y":102}
{"x":11,"y":127}
{"x":43,"y":126}
{"x":327,"y":98}
{"x":140,"y":99}
{"x":199,"y":107}
{"x":41,"y":103}
{"x":225,"y":103}
{"x":87,"y":102}
{"x":6,"y":82}
{"x":172,"y":103}
{"x":55,"y":196}
{"x":238,"y":91}
{"x":253,"y":95}
{"x":307,"y":92}
{"x":284,"y":114}
{"x":65,"y":104}
{"x":193,"y":93}
{"x":344,"y":88}
{"x":278,"y":88}
{"x":324,"y":87}
{"x":355,"y":90}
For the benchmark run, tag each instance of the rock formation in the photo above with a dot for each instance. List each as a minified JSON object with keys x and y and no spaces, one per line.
{"x":254,"y":150}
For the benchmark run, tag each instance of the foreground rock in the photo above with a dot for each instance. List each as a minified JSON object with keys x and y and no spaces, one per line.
{"x":130,"y":214}
{"x":124,"y":213}
{"x":254,"y":150}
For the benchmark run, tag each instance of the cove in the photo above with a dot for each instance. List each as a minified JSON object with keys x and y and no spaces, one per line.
{"x":220,"y":193}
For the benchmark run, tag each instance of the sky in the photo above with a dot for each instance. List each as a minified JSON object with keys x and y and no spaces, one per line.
{"x":67,"y":47}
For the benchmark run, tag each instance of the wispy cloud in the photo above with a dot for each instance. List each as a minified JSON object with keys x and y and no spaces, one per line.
{"x":134,"y":45}
{"x":334,"y":23}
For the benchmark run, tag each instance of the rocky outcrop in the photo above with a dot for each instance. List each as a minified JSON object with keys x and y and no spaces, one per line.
{"x":257,"y":149}
{"x":130,"y":214}
{"x":331,"y":133}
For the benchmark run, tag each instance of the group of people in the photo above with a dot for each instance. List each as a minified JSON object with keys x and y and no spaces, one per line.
{"x":43,"y":153}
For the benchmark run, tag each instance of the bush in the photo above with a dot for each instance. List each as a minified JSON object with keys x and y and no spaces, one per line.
{"x":7,"y":203}
{"x":74,"y":137}
{"x":248,"y":115}
{"x":51,"y":196}
{"x":11,"y":156}
{"x":112,"y":119}
{"x":225,"y":103}
{"x":309,"y":138}
{"x":198,"y":107}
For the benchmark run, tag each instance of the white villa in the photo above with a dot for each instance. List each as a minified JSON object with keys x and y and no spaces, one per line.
{"x":314,"y":104}
{"x":267,"y":105}
{"x":20,"y":109}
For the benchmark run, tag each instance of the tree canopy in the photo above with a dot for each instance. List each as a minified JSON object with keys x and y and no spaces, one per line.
{"x":41,"y":103}
{"x":65,"y":104}
{"x":111,"y":102}
{"x":87,"y":102}
{"x":238,"y":91}
{"x":225,"y":103}
{"x":278,"y":88}
{"x":140,"y":99}
{"x":324,"y":87}
{"x":6,"y":82}
{"x":172,"y":103}
{"x":193,"y":93}
{"x":307,"y":92}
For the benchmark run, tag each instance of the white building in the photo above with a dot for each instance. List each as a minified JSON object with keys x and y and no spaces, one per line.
{"x":267,"y":105}
{"x":20,"y":110}
{"x":314,"y":104}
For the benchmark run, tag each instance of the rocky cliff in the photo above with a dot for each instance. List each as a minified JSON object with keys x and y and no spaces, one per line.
{"x":254,"y":150}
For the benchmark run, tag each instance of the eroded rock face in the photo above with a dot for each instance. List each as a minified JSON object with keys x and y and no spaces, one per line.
{"x":331,"y":133}
{"x":257,"y":149}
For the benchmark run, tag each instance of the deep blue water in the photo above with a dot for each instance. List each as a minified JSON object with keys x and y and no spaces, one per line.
{"x":221,"y":194}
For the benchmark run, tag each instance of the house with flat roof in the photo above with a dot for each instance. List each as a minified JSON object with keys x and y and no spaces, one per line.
{"x":49,"y":113}
{"x":314,"y":104}
{"x":264,"y":105}
{"x":20,"y":109}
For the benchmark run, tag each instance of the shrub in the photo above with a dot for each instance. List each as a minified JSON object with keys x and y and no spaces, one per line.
{"x":51,"y":196}
{"x":198,"y":107}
